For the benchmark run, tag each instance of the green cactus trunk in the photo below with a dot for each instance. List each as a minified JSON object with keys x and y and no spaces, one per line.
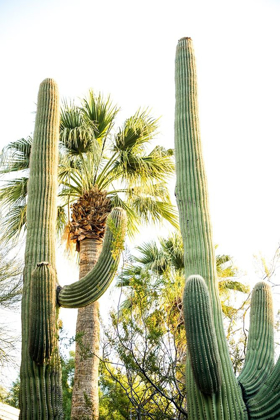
{"x":40,"y":396}
{"x":192,"y":200}
{"x":40,"y":374}
{"x":213,"y":391}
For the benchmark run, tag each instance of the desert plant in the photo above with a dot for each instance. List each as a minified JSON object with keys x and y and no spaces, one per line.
{"x":213,"y":392}
{"x":40,"y":388}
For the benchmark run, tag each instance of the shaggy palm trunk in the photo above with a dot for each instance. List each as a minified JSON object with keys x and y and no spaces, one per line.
{"x":85,"y":401}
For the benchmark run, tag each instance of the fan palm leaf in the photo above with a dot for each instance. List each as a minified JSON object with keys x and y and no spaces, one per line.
{"x":77,"y":136}
{"x":16,"y":156}
{"x":14,"y":224}
{"x":150,"y":210}
{"x":136,"y":133}
{"x":100,"y":112}
{"x":14,"y":192}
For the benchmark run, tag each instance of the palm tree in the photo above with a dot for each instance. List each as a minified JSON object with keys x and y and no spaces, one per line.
{"x":166,"y":260}
{"x":99,"y":169}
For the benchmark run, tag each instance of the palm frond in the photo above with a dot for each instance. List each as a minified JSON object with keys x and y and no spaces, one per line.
{"x":136,"y":133}
{"x":16,"y":156}
{"x":78,"y":178}
{"x":10,"y":279}
{"x":130,"y":272}
{"x":158,"y":190}
{"x":152,"y":257}
{"x":174,"y":249}
{"x":100,"y":112}
{"x":61,"y":220}
{"x":108,"y":173}
{"x":233,"y":285}
{"x":139,"y":169}
{"x":14,"y":224}
{"x":14,"y":192}
{"x":70,"y":245}
{"x":225,"y":267}
{"x":76,"y":134}
{"x":150,"y":210}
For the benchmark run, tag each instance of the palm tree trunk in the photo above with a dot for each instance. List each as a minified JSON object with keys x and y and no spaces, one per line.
{"x":85,"y":401}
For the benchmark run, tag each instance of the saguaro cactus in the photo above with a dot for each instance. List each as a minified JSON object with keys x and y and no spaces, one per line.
{"x":40,"y":393}
{"x":213,"y":391}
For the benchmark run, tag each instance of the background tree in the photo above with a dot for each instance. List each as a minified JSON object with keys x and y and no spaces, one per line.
{"x":68,"y":368}
{"x":144,"y":346}
{"x":10,"y":295}
{"x":12,"y":396}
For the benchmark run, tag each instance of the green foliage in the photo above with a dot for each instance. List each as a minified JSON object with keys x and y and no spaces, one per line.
{"x":117,"y":245}
{"x":145,"y":338}
{"x":10,"y":279}
{"x":12,"y":396}
{"x":67,"y":367}
{"x":10,"y":296}
{"x":114,"y":403}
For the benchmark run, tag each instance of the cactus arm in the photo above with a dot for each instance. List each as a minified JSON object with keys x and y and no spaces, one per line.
{"x":40,"y":386}
{"x":199,"y":257}
{"x":95,"y":283}
{"x":42,"y":335}
{"x":265,"y":405}
{"x":259,"y":359}
{"x":201,"y":336}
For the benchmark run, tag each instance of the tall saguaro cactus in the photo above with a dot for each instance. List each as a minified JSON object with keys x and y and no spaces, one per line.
{"x":213,"y":391}
{"x":40,"y":393}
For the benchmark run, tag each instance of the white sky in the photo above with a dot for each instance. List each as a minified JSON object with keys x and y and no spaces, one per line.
{"x":127,"y":48}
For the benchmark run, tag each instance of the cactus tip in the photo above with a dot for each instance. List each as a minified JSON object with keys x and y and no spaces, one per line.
{"x":48,"y":82}
{"x":185,"y":37}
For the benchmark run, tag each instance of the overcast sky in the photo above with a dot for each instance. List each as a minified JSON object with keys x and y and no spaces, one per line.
{"x":127,"y":48}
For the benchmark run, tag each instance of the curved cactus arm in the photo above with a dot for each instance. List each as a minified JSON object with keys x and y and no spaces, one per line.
{"x":265,"y":405}
{"x":96,"y":282}
{"x":43,"y":329}
{"x":201,"y":336}
{"x":259,"y":359}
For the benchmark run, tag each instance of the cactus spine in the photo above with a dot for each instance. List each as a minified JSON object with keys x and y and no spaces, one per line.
{"x":257,"y":394}
{"x":40,"y":392}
